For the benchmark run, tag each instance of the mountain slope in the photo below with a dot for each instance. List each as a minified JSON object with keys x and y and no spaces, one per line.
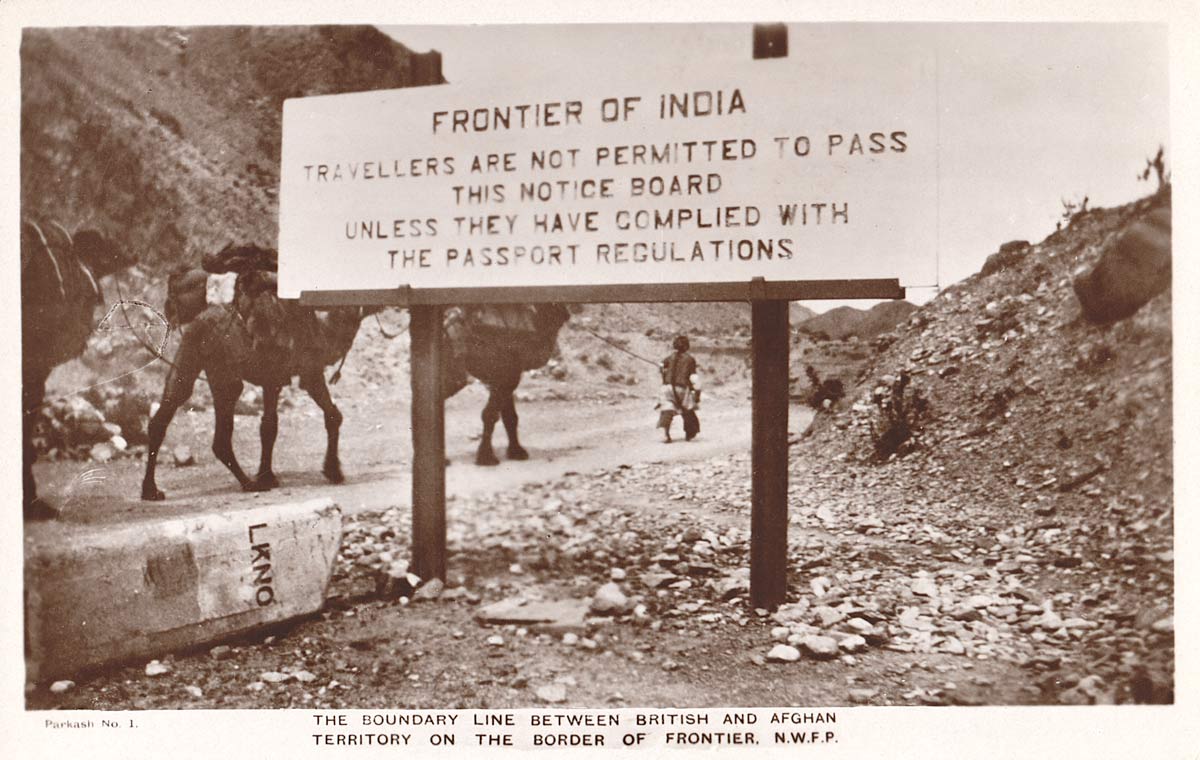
{"x":168,"y":138}
{"x":844,"y":321}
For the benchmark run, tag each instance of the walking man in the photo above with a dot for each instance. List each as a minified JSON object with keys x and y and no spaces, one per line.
{"x":680,"y":391}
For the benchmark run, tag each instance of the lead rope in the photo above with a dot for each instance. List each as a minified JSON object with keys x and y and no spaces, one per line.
{"x":651,"y":362}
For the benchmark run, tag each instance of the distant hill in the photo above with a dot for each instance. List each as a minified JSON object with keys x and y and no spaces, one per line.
{"x":844,"y":321}
{"x":169,"y":137}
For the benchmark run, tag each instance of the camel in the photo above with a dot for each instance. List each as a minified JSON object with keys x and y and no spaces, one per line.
{"x":259,"y":339}
{"x":495,"y":344}
{"x":60,"y":290}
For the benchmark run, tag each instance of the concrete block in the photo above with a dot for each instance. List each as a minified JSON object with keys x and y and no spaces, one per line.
{"x":139,"y":590}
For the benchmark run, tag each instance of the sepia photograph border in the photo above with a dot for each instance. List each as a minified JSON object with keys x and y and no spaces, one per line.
{"x":1059,"y":731}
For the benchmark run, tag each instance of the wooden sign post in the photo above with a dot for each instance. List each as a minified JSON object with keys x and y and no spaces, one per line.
{"x":429,"y":443}
{"x":769,"y":340}
{"x":726,"y":187}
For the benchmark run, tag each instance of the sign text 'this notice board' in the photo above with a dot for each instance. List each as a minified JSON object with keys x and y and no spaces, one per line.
{"x":784,"y":169}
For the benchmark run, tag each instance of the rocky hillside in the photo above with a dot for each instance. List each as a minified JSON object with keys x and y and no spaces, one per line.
{"x":168,"y":138}
{"x":1019,"y":384}
{"x":1043,"y":443}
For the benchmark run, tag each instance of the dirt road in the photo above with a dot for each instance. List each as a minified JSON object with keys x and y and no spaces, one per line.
{"x":562,"y":436}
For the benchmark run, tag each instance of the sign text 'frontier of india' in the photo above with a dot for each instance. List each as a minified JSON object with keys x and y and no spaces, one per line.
{"x":786,"y":169}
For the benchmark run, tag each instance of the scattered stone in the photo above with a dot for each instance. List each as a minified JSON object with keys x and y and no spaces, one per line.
{"x":1165,"y":625}
{"x":609,"y":600}
{"x":733,"y":586}
{"x":701,"y":568}
{"x":272,"y":676}
{"x":221,"y":652}
{"x":925,"y":587}
{"x":617,"y":574}
{"x":794,"y":612}
{"x":783,"y":653}
{"x":495,"y":641}
{"x":1009,"y":254}
{"x":853,"y":643}
{"x":429,"y":591}
{"x":156,"y":668}
{"x":182,"y":456}
{"x":1049,"y":620}
{"x":570,"y":639}
{"x":303,"y":676}
{"x":657,"y":580}
{"x":1089,"y":691}
{"x":395,"y":582}
{"x":194,"y":691}
{"x":1077,"y":622}
{"x":859,"y":625}
{"x":820,"y":647}
{"x":862,"y":696}
{"x":103,"y":452}
{"x":827,"y":616}
{"x":61,"y":687}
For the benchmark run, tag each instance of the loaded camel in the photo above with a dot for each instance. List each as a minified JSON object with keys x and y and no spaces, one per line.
{"x":259,"y":339}
{"x":495,"y":344}
{"x":60,"y":290}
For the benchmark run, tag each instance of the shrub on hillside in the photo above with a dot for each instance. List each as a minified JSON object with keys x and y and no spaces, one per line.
{"x":823,"y":394}
{"x":900,"y":413}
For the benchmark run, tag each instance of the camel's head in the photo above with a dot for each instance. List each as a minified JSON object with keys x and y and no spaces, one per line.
{"x":100,"y":253}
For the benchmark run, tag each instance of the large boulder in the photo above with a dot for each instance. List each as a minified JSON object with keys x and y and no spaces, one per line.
{"x":1130,"y":272}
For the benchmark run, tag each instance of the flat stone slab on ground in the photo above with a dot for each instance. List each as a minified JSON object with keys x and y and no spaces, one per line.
{"x":560,"y":616}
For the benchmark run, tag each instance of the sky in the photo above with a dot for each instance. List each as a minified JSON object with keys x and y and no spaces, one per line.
{"x":1030,"y":115}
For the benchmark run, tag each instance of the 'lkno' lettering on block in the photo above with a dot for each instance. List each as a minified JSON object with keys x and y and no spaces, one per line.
{"x":260,"y":563}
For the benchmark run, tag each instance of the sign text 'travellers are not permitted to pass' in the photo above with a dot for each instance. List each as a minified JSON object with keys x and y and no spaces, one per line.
{"x":786,"y":169}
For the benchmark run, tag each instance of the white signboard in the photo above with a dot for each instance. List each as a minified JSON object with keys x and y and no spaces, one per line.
{"x":786,"y":169}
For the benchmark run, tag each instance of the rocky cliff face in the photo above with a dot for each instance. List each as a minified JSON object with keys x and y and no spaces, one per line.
{"x":169,"y":137}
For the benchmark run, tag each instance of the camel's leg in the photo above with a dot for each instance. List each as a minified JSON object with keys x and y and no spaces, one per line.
{"x":485,"y":456}
{"x":314,"y":383}
{"x":225,"y":393}
{"x":508,"y":413}
{"x":33,"y":392}
{"x":177,"y":389}
{"x":268,"y":430}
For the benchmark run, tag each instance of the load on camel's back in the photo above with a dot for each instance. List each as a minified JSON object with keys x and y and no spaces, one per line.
{"x":495,"y":344}
{"x":60,"y":295}
{"x":257,"y":338}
